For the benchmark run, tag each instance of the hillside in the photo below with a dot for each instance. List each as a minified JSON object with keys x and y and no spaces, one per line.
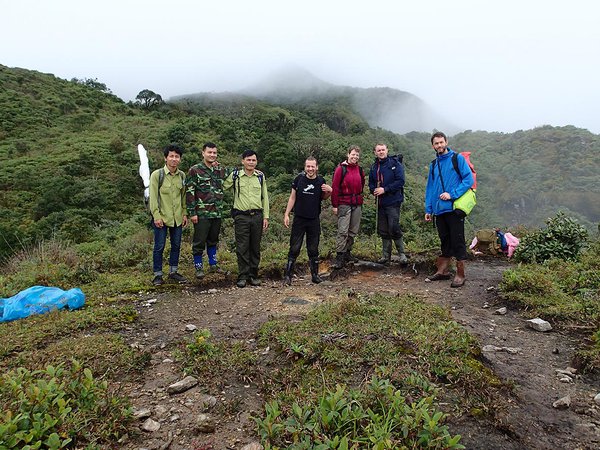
{"x":70,"y":166}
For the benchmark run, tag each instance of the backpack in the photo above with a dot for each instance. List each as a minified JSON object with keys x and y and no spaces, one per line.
{"x":236,"y":177}
{"x":467,"y":156}
{"x":345,"y":171}
{"x":487,"y":240}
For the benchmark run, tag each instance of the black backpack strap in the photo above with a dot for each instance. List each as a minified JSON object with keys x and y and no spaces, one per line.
{"x":455,"y":164}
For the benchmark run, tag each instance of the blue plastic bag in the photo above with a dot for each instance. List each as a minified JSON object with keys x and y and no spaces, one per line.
{"x":39,"y":300}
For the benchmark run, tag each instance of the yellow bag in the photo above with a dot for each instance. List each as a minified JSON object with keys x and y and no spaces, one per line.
{"x":466,"y":202}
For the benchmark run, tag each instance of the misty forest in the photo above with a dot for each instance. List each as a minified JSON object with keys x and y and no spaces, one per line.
{"x":369,"y":364}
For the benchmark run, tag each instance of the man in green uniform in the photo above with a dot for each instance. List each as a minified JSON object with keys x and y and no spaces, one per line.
{"x":167,"y":206}
{"x":204,"y":198}
{"x":250,"y":214}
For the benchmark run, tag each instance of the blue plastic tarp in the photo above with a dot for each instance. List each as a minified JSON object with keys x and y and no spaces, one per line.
{"x":39,"y":300}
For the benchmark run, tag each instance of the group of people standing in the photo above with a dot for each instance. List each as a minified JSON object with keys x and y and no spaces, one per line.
{"x":198,"y":197}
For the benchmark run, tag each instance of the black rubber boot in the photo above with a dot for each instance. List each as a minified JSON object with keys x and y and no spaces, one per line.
{"x":340,"y":260}
{"x":289,"y":272}
{"x":314,"y":271}
{"x":400,"y":247}
{"x":386,"y":252}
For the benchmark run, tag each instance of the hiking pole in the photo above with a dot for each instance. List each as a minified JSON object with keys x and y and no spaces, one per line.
{"x":376,"y":219}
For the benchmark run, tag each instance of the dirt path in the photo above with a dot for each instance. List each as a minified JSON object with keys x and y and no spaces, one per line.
{"x":530,"y":422}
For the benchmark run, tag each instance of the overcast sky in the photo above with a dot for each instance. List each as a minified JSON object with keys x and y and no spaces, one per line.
{"x":496,"y":66}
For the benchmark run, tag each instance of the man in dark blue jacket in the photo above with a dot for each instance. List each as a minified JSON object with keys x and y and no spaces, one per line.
{"x":386,"y":183}
{"x":444,"y":185}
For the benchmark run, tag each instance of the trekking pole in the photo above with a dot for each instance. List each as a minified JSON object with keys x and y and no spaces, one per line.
{"x":376,"y":219}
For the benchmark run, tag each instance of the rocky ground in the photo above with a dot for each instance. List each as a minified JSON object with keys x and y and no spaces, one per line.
{"x":530,"y":359}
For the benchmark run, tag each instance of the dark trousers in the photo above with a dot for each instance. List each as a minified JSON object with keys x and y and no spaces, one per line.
{"x":388,"y":222}
{"x":160,"y":239}
{"x":312,"y":229}
{"x":248,"y":234}
{"x":451,"y":229}
{"x":206,"y":234}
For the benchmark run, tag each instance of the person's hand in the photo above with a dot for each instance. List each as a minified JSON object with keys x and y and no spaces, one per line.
{"x":194,"y":219}
{"x":326,"y":188}
{"x":286,"y":220}
{"x":159,"y":223}
{"x":185,"y":221}
{"x":335,"y":211}
{"x":427,"y":217}
{"x":445,"y":196}
{"x":378,"y":191}
{"x":265,"y":224}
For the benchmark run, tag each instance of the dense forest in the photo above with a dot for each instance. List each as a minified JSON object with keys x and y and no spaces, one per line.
{"x":69,"y":161}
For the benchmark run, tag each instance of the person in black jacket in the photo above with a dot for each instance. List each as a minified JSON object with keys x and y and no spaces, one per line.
{"x":386,"y":183}
{"x":308,"y":190}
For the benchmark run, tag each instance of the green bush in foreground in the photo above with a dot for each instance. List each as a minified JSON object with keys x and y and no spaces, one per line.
{"x":562,"y":238}
{"x":378,"y":417}
{"x":58,"y":407}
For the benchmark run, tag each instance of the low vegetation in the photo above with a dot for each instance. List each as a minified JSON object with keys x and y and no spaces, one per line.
{"x":364,"y":370}
{"x":565,"y":287}
{"x":59,"y":407}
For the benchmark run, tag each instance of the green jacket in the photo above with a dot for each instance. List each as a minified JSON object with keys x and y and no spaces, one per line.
{"x":172,"y":197}
{"x":249,"y":192}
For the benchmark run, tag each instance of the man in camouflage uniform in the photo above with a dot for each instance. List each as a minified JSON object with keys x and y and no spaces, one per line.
{"x":204,"y":198}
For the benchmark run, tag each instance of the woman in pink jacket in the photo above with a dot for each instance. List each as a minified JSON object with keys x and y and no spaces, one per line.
{"x":347,"y":199}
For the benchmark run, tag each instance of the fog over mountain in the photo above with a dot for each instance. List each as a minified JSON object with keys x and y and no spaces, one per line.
{"x":384,"y":107}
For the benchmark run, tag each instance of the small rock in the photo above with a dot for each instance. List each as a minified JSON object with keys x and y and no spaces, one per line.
{"x":174,"y":418}
{"x":493,"y":348}
{"x":160,"y":411}
{"x":573,"y":370}
{"x":150,"y":425}
{"x":502,"y":311}
{"x":562,"y":403}
{"x":152,"y":300}
{"x":490,"y":288}
{"x":253,"y":446}
{"x":167,"y":360}
{"x":191,"y":327}
{"x":212,"y":291}
{"x":182,"y":386}
{"x":295,"y":301}
{"x":556,"y":351}
{"x":143,"y":413}
{"x":566,"y":380}
{"x":490,"y":348}
{"x":205,"y":423}
{"x":485,"y":305}
{"x":597,"y":399}
{"x":207,"y":402}
{"x":539,"y":324}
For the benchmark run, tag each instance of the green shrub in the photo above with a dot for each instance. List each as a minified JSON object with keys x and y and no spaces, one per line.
{"x":562,"y":238}
{"x":377,"y":417}
{"x":58,"y":407}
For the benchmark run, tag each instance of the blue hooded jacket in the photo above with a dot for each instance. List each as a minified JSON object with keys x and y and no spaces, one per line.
{"x":389,"y":173}
{"x":453,"y":184}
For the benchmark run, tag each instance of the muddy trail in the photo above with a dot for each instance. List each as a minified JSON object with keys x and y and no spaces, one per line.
{"x":528,"y":359}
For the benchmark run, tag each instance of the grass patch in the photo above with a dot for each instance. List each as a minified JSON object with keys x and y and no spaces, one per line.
{"x":210,"y":359}
{"x":365,"y":371}
{"x":61,"y":333}
{"x":352,"y":338}
{"x":566,"y":292}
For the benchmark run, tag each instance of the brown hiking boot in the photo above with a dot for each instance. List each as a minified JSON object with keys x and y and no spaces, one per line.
{"x":442,"y":272}
{"x":459,"y":278}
